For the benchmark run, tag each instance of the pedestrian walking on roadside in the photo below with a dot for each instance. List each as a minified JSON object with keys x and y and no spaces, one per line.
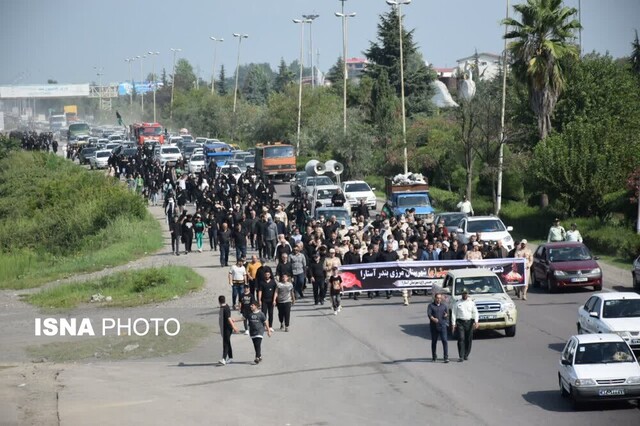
{"x":266,"y":294}
{"x":199,"y":228}
{"x":237,"y":280}
{"x":285,"y":298}
{"x":523,"y":252}
{"x":224,"y":240}
{"x":245,"y":307}
{"x":556,"y":232}
{"x":176,"y":235}
{"x":464,"y":319}
{"x":187,"y":233}
{"x":438,"y":323}
{"x":227,"y":327}
{"x":258,"y":323}
{"x":465,"y":206}
{"x":335,"y":285}
{"x":317,"y":276}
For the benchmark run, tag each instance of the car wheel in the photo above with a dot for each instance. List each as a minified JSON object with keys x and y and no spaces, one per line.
{"x":577,"y":404}
{"x":551,"y":288}
{"x":635,"y":281}
{"x":510,"y":331}
{"x":597,"y":287}
{"x":563,"y":391}
{"x":535,"y":283}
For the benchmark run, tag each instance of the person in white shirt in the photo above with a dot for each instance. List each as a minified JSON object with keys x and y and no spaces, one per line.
{"x":573,"y":234}
{"x":556,"y":232}
{"x":465,"y":206}
{"x":464,"y":318}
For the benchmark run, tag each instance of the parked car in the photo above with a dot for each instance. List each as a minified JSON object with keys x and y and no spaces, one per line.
{"x":613,"y":312}
{"x":250,"y":161}
{"x":296,"y":182}
{"x":635,"y":273}
{"x":490,"y":228}
{"x":356,"y":190}
{"x":565,"y":264}
{"x":100,"y":159}
{"x":598,"y":367}
{"x":238,"y":163}
{"x":187,"y":150}
{"x":451,"y":220}
{"x":86,"y":153}
{"x":320,"y":196}
{"x":310,"y":181}
{"x":196,"y":163}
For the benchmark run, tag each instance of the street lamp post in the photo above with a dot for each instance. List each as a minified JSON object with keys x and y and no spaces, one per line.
{"x":173,"y":81}
{"x":155,"y":80}
{"x":345,"y":71}
{"x":141,"y":57}
{"x":398,"y":4}
{"x":213,"y":72}
{"x":310,"y":19}
{"x":129,"y":60}
{"x":235,"y":90}
{"x":498,"y":205}
{"x":302,"y":22}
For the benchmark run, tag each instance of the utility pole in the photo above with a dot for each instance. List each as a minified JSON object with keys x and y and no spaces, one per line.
{"x":235,"y":90}
{"x":345,"y":71}
{"x":141,"y":57}
{"x":302,"y":22}
{"x":155,"y":80}
{"x":173,"y":81}
{"x":213,"y":72}
{"x":498,"y":206}
{"x":310,"y":19}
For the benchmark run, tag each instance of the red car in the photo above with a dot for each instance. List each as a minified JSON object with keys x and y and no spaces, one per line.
{"x":565,"y":264}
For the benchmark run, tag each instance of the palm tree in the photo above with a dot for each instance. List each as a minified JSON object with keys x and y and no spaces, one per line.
{"x":544,"y":37}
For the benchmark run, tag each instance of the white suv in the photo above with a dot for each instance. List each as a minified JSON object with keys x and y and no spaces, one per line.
{"x":617,"y":313}
{"x":356,"y":190}
{"x":168,"y":153}
{"x":490,"y":228}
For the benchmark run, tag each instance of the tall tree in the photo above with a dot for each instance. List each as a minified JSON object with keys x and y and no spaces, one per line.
{"x":541,"y":40}
{"x":284,"y":77}
{"x":185,"y":77}
{"x":257,"y":85}
{"x":384,"y":109}
{"x":635,"y":55}
{"x":385,"y":54}
{"x":222,"y":82}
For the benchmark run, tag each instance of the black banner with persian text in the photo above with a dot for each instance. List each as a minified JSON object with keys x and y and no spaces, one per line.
{"x":424,"y":275}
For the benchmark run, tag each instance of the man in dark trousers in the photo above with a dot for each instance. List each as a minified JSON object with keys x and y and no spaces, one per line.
{"x":317,"y":276}
{"x":176,"y":235}
{"x":438,"y":322}
{"x":227,"y":327}
{"x":464,"y":318}
{"x":224,"y":241}
{"x":266,"y":295}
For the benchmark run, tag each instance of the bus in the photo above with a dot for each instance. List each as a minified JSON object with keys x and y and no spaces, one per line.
{"x":276,"y":160}
{"x":147,"y":132}
{"x":78,"y":129}
{"x":217,"y":152}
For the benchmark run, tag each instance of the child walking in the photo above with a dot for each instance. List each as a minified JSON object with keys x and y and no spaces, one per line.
{"x":335,"y":282}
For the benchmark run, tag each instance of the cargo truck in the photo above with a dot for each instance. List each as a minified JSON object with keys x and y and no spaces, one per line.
{"x":405,"y":196}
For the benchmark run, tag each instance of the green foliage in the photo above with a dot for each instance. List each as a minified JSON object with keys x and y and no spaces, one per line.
{"x":7,"y":146}
{"x":257,"y":84}
{"x":384,"y":54}
{"x":283,"y":78}
{"x":384,"y":108}
{"x":65,"y":203}
{"x":222,"y":82}
{"x":634,"y":59}
{"x":129,"y":288}
{"x":185,"y":77}
{"x":541,"y":40}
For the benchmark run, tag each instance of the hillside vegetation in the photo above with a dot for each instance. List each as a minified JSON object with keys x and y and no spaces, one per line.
{"x":57,"y":219}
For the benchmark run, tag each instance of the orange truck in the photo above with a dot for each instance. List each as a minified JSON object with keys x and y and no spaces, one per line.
{"x":276,"y":160}
{"x":147,"y":132}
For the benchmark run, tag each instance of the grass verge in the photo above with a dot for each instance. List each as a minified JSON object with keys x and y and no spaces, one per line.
{"x":123,"y":240}
{"x":129,"y":288}
{"x":112,"y":348}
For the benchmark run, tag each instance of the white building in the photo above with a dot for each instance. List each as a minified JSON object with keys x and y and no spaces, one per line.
{"x":488,"y":65}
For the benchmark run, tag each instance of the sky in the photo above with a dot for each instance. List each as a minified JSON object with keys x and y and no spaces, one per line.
{"x":70,"y":40}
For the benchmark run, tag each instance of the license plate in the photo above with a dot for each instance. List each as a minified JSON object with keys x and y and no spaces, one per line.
{"x":579,"y":280}
{"x":635,"y":341}
{"x":487,"y":317}
{"x":610,"y":392}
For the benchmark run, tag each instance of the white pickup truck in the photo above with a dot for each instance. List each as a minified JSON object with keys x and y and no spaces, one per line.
{"x":495,"y":307}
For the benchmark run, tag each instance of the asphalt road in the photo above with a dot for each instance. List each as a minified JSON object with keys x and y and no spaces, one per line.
{"x":371,"y":364}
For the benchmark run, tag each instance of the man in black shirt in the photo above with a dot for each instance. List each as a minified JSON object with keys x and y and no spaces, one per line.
{"x":227,"y":327}
{"x":266,"y":295}
{"x":338,"y":199}
{"x":438,"y":322}
{"x":317,"y":276}
{"x":239,"y":237}
{"x":224,"y":240}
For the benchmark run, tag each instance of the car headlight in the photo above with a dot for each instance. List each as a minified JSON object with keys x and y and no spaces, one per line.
{"x":633,"y":380}
{"x":508,"y":239}
{"x":595,"y":271}
{"x":509,"y":306}
{"x":623,"y":334}
{"x":584,"y":382}
{"x":559,"y":273}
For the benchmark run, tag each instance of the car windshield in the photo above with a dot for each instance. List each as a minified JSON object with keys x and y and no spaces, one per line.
{"x":478,"y":285}
{"x":318,"y":181}
{"x":621,"y":308}
{"x":357,"y":187}
{"x":488,"y":225}
{"x":278,"y":151}
{"x":452,"y":219}
{"x":89,"y":150}
{"x":250,"y":159}
{"x":152,"y":131}
{"x":189,"y":149}
{"x":170,"y":150}
{"x":323,"y":194}
{"x":103,"y":154}
{"x":197,"y":157}
{"x":413,"y":201}
{"x":231,"y":169}
{"x":339,"y":214}
{"x":603,"y":353}
{"x":569,"y":254}
{"x":130,"y":152}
